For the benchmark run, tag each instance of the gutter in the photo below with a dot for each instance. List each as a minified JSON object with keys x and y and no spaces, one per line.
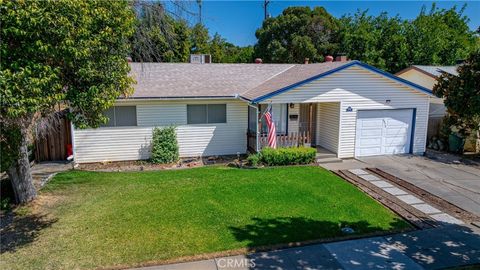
{"x":177,"y":98}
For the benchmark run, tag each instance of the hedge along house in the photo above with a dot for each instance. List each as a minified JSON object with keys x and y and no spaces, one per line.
{"x":346,"y":107}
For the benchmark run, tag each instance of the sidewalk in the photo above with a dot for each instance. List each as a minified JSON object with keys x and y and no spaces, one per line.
{"x":438,"y":248}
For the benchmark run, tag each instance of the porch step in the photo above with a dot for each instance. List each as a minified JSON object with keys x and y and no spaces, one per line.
{"x":325,"y":155}
{"x":328,"y":160}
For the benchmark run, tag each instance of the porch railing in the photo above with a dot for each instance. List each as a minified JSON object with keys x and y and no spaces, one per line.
{"x":291,"y":139}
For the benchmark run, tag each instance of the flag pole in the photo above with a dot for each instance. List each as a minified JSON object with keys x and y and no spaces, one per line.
{"x":268,"y":108}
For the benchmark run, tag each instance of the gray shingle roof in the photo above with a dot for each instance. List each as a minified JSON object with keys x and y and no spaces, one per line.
{"x":170,"y":80}
{"x":436,"y":71}
{"x":296,"y":74}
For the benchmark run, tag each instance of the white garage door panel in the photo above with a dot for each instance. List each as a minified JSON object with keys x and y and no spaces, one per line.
{"x":381,"y":132}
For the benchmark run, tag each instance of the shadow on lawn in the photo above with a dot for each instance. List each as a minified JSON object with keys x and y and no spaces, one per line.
{"x":284,"y":230}
{"x":17,"y":231}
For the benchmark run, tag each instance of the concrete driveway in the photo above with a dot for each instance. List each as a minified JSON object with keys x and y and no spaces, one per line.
{"x":441,"y":174}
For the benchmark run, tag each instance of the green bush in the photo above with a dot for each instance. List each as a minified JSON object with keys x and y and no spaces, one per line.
{"x":253,"y":160}
{"x":164,"y":145}
{"x":283,"y":156}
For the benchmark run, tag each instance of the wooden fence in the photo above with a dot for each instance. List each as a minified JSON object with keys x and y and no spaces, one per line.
{"x":434,"y":126}
{"x":53,"y":146}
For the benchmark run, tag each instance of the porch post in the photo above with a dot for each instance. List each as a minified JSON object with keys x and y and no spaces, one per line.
{"x":258,"y":130}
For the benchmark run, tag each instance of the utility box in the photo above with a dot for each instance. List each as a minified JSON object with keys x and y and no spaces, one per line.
{"x":200,"y":58}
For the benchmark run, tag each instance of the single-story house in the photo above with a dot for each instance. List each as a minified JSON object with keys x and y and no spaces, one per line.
{"x":347,"y":107}
{"x":426,"y":76}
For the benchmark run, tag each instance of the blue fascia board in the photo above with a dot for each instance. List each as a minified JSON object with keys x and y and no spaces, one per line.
{"x":352,"y":63}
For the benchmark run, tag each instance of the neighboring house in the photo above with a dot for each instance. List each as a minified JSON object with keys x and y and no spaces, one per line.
{"x":426,"y":76}
{"x":348,"y":108}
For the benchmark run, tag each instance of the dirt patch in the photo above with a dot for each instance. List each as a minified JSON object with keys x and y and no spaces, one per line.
{"x":143,"y":165}
{"x":23,"y":225}
{"x":45,"y":201}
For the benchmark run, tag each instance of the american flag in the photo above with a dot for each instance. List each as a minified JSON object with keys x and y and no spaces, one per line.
{"x":272,"y":133}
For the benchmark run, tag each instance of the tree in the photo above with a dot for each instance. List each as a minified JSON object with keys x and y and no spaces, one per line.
{"x":440,"y":37}
{"x":67,"y":53}
{"x":298,"y":33}
{"x":218,"y":47}
{"x":379,"y":41}
{"x":462,"y":93}
{"x":200,"y":39}
{"x":225,"y":52}
{"x":158,"y":36}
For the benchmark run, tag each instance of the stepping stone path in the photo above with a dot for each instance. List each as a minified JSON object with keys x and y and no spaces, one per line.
{"x":407,"y":198}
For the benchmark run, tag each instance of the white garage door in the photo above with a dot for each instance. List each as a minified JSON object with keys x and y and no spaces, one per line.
{"x":383,"y":132}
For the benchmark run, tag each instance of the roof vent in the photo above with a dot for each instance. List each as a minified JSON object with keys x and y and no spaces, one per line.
{"x":200,"y":58}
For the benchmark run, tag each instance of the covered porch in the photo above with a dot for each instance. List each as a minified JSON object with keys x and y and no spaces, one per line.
{"x":297,"y":124}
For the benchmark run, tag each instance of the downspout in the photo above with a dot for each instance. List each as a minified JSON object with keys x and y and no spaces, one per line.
{"x":256,"y":126}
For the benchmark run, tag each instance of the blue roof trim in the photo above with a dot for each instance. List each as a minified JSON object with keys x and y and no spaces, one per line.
{"x":352,"y":63}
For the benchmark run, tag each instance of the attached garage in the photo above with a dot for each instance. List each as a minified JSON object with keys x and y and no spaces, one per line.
{"x":383,"y":132}
{"x":363,"y":111}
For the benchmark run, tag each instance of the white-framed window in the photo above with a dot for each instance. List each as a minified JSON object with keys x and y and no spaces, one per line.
{"x":121,"y":116}
{"x":279,"y":112}
{"x":206,"y":113}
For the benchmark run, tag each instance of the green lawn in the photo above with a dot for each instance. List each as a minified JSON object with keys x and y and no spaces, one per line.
{"x":93,"y":219}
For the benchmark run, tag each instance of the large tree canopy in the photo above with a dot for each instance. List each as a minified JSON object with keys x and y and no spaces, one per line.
{"x":296,"y":34}
{"x":462,"y":93}
{"x":58,"y":52}
{"x":441,"y":36}
{"x":437,"y":37}
{"x":158,"y":36}
{"x":379,"y":41}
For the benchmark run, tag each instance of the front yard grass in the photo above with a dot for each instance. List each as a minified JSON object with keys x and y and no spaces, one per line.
{"x":94,"y":219}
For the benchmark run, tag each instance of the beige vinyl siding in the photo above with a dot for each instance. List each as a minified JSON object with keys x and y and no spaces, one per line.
{"x":419,"y":78}
{"x":361,"y":89}
{"x":328,"y":121}
{"x":133,"y":143}
{"x":293,"y":124}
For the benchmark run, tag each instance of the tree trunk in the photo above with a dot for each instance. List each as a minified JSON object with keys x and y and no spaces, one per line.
{"x":477,"y":150}
{"x":20,"y":174}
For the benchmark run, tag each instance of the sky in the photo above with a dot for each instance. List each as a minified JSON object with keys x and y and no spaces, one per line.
{"x":237,"y":21}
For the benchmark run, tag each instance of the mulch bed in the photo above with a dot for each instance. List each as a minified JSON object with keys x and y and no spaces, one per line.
{"x":143,"y":165}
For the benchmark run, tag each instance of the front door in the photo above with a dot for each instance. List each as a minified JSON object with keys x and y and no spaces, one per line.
{"x":308,"y":120}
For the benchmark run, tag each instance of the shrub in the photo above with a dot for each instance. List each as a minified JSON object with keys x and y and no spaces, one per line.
{"x":284,"y":156}
{"x":253,"y":159}
{"x":164,"y":145}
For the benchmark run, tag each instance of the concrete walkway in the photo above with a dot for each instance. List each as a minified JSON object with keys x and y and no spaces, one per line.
{"x":44,"y":171}
{"x":438,"y":248}
{"x":445,"y":177}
